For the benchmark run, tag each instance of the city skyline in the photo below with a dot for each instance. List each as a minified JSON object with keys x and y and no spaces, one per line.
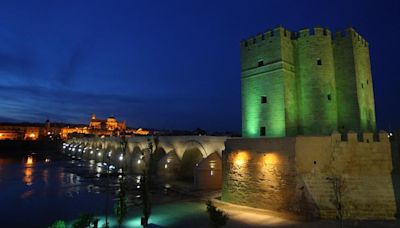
{"x":167,"y":66}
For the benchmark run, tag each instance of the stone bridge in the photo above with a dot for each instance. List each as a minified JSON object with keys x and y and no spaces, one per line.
{"x":187,"y":158}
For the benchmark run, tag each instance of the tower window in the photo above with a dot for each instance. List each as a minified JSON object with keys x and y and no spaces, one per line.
{"x":254,"y":40}
{"x":262,"y":131}
{"x":246,"y":44}
{"x":319,"y":62}
{"x":362,"y":85}
{"x":367,"y":82}
{"x":329,"y":97}
{"x":263,"y":99}
{"x":263,"y":36}
{"x":260,"y":63}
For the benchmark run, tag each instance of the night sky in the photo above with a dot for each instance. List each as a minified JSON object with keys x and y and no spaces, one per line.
{"x":165,"y":64}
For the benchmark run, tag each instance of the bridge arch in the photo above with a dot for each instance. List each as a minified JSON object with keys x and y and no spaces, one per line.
{"x":194,"y":144}
{"x":192,"y":155}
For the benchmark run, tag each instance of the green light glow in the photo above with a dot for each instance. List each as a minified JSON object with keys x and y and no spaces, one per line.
{"x":314,"y":85}
{"x":256,"y":113}
{"x":166,"y":215}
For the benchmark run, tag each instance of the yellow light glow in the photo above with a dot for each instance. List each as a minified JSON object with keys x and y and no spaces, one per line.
{"x":1,"y":135}
{"x":212,"y":164}
{"x":241,"y":158}
{"x":271,"y":159}
{"x":32,"y":135}
{"x":28,"y":177}
{"x":29,"y":161}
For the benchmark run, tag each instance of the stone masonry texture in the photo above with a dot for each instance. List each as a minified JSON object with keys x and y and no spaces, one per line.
{"x":309,"y":82}
{"x":294,"y":174}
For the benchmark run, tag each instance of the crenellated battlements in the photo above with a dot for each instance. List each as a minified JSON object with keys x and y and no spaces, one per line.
{"x":268,"y":35}
{"x":317,"y":31}
{"x":316,"y":70}
{"x":364,"y":137}
{"x":350,"y":32}
{"x":306,"y":32}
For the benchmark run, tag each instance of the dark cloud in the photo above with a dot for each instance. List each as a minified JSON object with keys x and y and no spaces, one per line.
{"x":7,"y":119}
{"x":77,"y":59}
{"x":16,"y":63}
{"x":61,"y":95}
{"x":38,"y":103}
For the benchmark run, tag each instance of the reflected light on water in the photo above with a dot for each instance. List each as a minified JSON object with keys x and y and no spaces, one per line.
{"x":45,"y":175}
{"x":29,"y":161}
{"x":28,"y":177}
{"x":28,"y":171}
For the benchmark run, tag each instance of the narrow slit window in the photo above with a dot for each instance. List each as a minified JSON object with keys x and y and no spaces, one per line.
{"x":263,"y":99}
{"x":329,"y":97}
{"x":262,"y":131}
{"x":319,"y":62}
{"x":367,"y":82}
{"x":260,"y":63}
{"x":362,"y":85}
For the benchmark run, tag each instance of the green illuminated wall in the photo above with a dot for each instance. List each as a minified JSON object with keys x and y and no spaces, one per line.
{"x":274,"y":80}
{"x":356,"y":108}
{"x":314,"y":84}
{"x":317,"y":92}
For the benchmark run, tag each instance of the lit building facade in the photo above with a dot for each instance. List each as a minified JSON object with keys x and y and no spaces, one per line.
{"x":96,"y":127}
{"x":308,"y":82}
{"x":110,"y":124}
{"x":308,"y":125}
{"x":20,"y":132}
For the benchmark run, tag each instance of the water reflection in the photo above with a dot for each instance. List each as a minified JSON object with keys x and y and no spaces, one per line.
{"x":45,"y":175}
{"x":28,"y":175}
{"x":29,"y":160}
{"x":34,"y":187}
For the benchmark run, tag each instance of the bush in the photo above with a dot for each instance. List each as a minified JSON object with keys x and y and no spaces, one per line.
{"x":58,"y":224}
{"x":217,"y":217}
{"x":86,"y":220}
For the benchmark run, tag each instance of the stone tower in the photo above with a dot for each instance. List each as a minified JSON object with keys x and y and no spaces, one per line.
{"x":306,"y":82}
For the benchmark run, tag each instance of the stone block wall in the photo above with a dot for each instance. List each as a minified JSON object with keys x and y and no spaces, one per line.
{"x":168,"y":167}
{"x":296,"y":175}
{"x":208,"y":173}
{"x":314,"y":83}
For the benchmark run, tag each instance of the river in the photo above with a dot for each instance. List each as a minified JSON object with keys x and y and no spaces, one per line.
{"x":38,"y":192}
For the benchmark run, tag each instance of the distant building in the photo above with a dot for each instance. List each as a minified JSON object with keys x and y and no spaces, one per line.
{"x":20,"y":131}
{"x":96,"y":127}
{"x":110,"y":124}
{"x":100,"y":127}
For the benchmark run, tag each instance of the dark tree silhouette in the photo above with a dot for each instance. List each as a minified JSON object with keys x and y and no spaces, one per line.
{"x":217,"y":217}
